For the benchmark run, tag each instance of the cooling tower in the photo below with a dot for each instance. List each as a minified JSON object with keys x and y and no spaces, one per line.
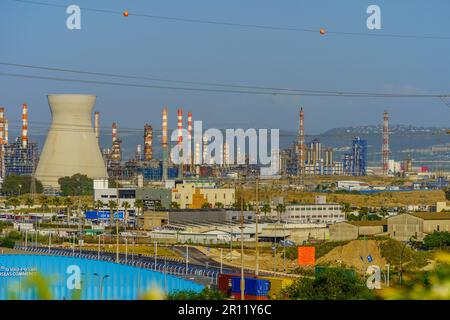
{"x":71,"y":146}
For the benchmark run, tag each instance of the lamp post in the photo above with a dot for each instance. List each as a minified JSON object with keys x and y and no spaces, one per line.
{"x":242,"y":245}
{"x":98,"y":252}
{"x":101,"y":283}
{"x":221,"y":259}
{"x":256,"y":230}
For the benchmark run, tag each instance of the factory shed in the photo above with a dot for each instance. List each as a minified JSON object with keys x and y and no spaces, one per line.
{"x":351,"y":230}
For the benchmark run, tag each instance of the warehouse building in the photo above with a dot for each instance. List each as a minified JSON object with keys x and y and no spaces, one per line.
{"x":408,"y":226}
{"x":351,"y":230}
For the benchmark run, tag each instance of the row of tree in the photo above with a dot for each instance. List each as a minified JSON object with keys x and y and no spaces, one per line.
{"x":76,"y":185}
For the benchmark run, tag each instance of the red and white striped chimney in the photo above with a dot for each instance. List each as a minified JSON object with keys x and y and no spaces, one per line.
{"x":114,"y":132}
{"x":2,"y":125}
{"x":6,"y":139}
{"x":180,"y":125}
{"x":24,"y":125}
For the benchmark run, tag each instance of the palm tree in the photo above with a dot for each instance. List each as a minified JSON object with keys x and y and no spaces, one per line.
{"x":111,"y":205}
{"x":98,"y":204}
{"x":56,"y":201}
{"x":126,"y":205}
{"x":266,"y":209}
{"x":280,"y":208}
{"x":44,"y":202}
{"x":68,"y":203}
{"x":29,"y":202}
{"x":346,"y":209}
{"x":139,"y":204}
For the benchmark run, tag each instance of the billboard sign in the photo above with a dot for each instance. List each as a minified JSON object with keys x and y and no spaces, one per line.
{"x":306,"y":256}
{"x":103,"y":215}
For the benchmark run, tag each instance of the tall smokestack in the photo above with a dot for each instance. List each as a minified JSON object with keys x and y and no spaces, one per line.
{"x":138,"y":155}
{"x":385,"y":147}
{"x":148,"y":142}
{"x":24,"y":125}
{"x":114,"y":132}
{"x":180,"y":141}
{"x":97,"y":127}
{"x":205,"y":147}
{"x":164,"y":143}
{"x":2,"y":143}
{"x":2,"y":125}
{"x":6,"y":139}
{"x":191,"y":159}
{"x":301,"y":147}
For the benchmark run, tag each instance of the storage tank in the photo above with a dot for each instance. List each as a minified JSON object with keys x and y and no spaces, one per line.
{"x":71,"y":146}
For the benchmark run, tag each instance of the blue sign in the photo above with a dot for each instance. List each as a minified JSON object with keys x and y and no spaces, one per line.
{"x":103,"y":215}
{"x":369,"y":258}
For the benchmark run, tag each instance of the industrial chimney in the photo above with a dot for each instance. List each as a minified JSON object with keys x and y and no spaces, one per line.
{"x":24,"y":125}
{"x":164,"y":144}
{"x":70,"y":146}
{"x":148,"y":142}
{"x":180,"y":141}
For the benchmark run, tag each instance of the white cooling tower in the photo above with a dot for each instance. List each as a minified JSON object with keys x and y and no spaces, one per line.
{"x":71,"y":146}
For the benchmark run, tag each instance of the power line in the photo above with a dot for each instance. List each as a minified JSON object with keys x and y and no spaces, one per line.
{"x":240,"y":25}
{"x":311,"y":94}
{"x":154,"y":78}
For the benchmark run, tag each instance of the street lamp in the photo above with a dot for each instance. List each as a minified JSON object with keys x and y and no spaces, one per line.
{"x":101,"y":283}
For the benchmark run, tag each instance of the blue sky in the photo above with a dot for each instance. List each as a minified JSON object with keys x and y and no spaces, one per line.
{"x":38,"y":35}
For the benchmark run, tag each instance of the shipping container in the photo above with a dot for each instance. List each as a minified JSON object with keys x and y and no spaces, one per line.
{"x":254,"y":287}
{"x":277,"y":284}
{"x":237,"y":296}
{"x":224,"y":281}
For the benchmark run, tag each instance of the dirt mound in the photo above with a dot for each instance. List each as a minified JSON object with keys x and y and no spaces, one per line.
{"x":355,"y":254}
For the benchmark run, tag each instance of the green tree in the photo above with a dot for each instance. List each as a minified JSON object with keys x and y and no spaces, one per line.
{"x":219,"y":205}
{"x":174,"y":205}
{"x":98,"y":205}
{"x":112,"y":205}
{"x":16,"y":185}
{"x":206,"y":205}
{"x":266,"y":208}
{"x":44,"y":201}
{"x":205,"y":294}
{"x":139,"y":204}
{"x":280,"y":208}
{"x":76,"y":185}
{"x":363,"y":213}
{"x":56,"y":201}
{"x":29,"y":202}
{"x":13,"y":202}
{"x":346,"y":209}
{"x":437,"y":239}
{"x":329,"y":284}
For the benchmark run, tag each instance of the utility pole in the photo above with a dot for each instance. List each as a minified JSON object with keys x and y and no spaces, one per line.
{"x":242,"y":245}
{"x":256,"y":229}
{"x":117,"y":223}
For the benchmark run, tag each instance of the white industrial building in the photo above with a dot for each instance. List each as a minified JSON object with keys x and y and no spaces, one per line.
{"x":105,"y":194}
{"x":313,"y":213}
